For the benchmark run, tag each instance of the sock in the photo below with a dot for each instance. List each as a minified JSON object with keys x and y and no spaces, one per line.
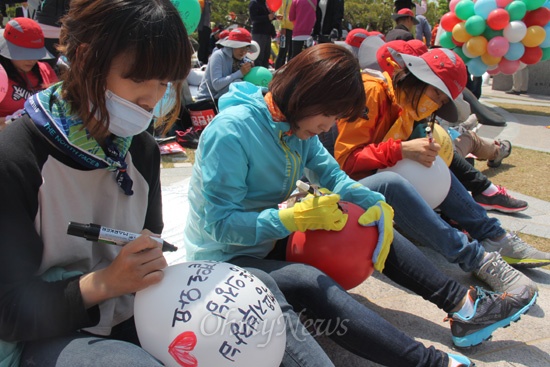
{"x":491,"y":190}
{"x":467,"y":309}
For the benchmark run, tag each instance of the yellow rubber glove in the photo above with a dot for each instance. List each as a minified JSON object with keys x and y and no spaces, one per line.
{"x":314,"y":212}
{"x":380,"y":215}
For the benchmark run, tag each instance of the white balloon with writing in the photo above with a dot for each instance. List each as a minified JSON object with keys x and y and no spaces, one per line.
{"x":210,"y":314}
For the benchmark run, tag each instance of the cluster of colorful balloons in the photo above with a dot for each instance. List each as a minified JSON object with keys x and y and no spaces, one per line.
{"x":497,"y":36}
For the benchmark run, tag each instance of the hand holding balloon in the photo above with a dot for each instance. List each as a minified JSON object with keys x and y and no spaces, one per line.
{"x":246,"y":67}
{"x":420,"y":150}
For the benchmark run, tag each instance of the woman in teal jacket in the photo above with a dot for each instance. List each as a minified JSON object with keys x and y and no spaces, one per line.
{"x":248,"y":160}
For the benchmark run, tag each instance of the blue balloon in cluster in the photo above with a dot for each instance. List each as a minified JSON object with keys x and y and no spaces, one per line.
{"x":515,"y":51}
{"x":546,"y":42}
{"x":484,"y":7}
{"x":476,"y":66}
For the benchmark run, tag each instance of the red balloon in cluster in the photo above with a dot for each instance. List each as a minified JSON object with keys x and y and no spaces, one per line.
{"x":540,"y":16}
{"x":532,"y":55}
{"x":448,"y":21}
{"x":498,"y":19}
{"x":345,"y":256}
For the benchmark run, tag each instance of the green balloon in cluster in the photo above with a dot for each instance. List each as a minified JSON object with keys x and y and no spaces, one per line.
{"x":190,"y":13}
{"x":259,"y":76}
{"x":516,"y":9}
{"x":491,"y":33}
{"x":464,"y":9}
{"x":475,"y":25}
{"x":545,"y":54}
{"x":533,"y":4}
{"x":446,"y":40}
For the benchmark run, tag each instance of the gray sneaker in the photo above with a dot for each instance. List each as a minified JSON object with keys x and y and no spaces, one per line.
{"x":517,"y":253}
{"x":501,"y":277}
{"x":505,"y":149}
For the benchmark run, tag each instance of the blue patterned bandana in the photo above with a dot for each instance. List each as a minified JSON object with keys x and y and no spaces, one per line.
{"x":50,"y":113}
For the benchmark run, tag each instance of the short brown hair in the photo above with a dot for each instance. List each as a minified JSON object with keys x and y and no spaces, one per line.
{"x":94,"y":32}
{"x":323,"y":79}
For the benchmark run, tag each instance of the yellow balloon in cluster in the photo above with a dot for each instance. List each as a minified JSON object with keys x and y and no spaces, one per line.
{"x":535,"y":36}
{"x":490,"y":60}
{"x":477,"y":46}
{"x":459,"y":32}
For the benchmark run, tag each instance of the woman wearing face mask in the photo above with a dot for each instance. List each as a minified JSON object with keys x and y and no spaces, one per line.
{"x":21,"y":46}
{"x":80,"y":153}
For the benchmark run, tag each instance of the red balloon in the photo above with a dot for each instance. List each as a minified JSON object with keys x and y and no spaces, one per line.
{"x":531,"y":55}
{"x":540,"y":16}
{"x":448,"y":21}
{"x":345,"y":256}
{"x":274,"y":5}
{"x":498,"y":19}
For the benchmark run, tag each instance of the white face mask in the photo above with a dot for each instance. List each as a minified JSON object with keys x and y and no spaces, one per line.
{"x":126,"y":118}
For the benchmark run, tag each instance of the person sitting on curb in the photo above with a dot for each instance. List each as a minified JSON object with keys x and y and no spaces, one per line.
{"x":380,"y":56}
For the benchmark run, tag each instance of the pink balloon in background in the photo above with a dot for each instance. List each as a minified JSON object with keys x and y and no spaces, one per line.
{"x":503,"y":3}
{"x":3,"y":83}
{"x":452,"y":5}
{"x":508,"y":67}
{"x":498,"y":46}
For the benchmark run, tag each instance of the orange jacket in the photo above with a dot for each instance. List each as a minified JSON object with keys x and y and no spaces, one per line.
{"x":365,"y":145}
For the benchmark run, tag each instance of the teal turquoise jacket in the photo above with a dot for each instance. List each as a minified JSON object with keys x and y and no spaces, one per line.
{"x":245,"y":165}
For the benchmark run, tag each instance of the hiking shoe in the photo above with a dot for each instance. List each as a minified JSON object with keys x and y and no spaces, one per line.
{"x":501,"y":277}
{"x":501,"y":201}
{"x":516,"y":252}
{"x":505,"y":149}
{"x":491,"y":311}
{"x":463,"y":361}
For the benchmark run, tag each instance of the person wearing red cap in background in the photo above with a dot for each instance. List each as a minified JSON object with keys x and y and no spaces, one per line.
{"x":404,"y":23}
{"x":227,"y":65}
{"x":21,"y":46}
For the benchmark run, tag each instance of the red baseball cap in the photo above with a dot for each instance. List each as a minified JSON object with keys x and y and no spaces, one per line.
{"x":443,"y":69}
{"x":237,"y":38}
{"x":356,"y":36}
{"x":403,"y":13}
{"x":389,"y":54}
{"x":23,"y":39}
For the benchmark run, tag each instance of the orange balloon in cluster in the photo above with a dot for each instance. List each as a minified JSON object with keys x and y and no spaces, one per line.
{"x":490,"y":60}
{"x":477,"y":46}
{"x":535,"y":36}
{"x":345,"y":256}
{"x":460,"y":34}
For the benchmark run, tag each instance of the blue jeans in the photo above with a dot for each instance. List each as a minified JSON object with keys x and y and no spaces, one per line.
{"x":415,"y":218}
{"x":351,"y":324}
{"x":121,"y":349}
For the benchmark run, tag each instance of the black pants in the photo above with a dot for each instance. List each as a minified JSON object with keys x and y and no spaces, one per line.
{"x":473,"y":180}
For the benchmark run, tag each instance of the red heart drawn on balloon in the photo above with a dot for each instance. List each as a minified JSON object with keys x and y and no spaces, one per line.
{"x":181,"y":346}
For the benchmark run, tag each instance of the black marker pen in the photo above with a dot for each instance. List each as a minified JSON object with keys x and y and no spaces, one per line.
{"x":303,"y":186}
{"x":95,"y":232}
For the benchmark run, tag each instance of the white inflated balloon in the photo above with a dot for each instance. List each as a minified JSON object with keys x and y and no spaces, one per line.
{"x":207,"y":313}
{"x":515,"y":31}
{"x":254,"y":55}
{"x":432,"y":183}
